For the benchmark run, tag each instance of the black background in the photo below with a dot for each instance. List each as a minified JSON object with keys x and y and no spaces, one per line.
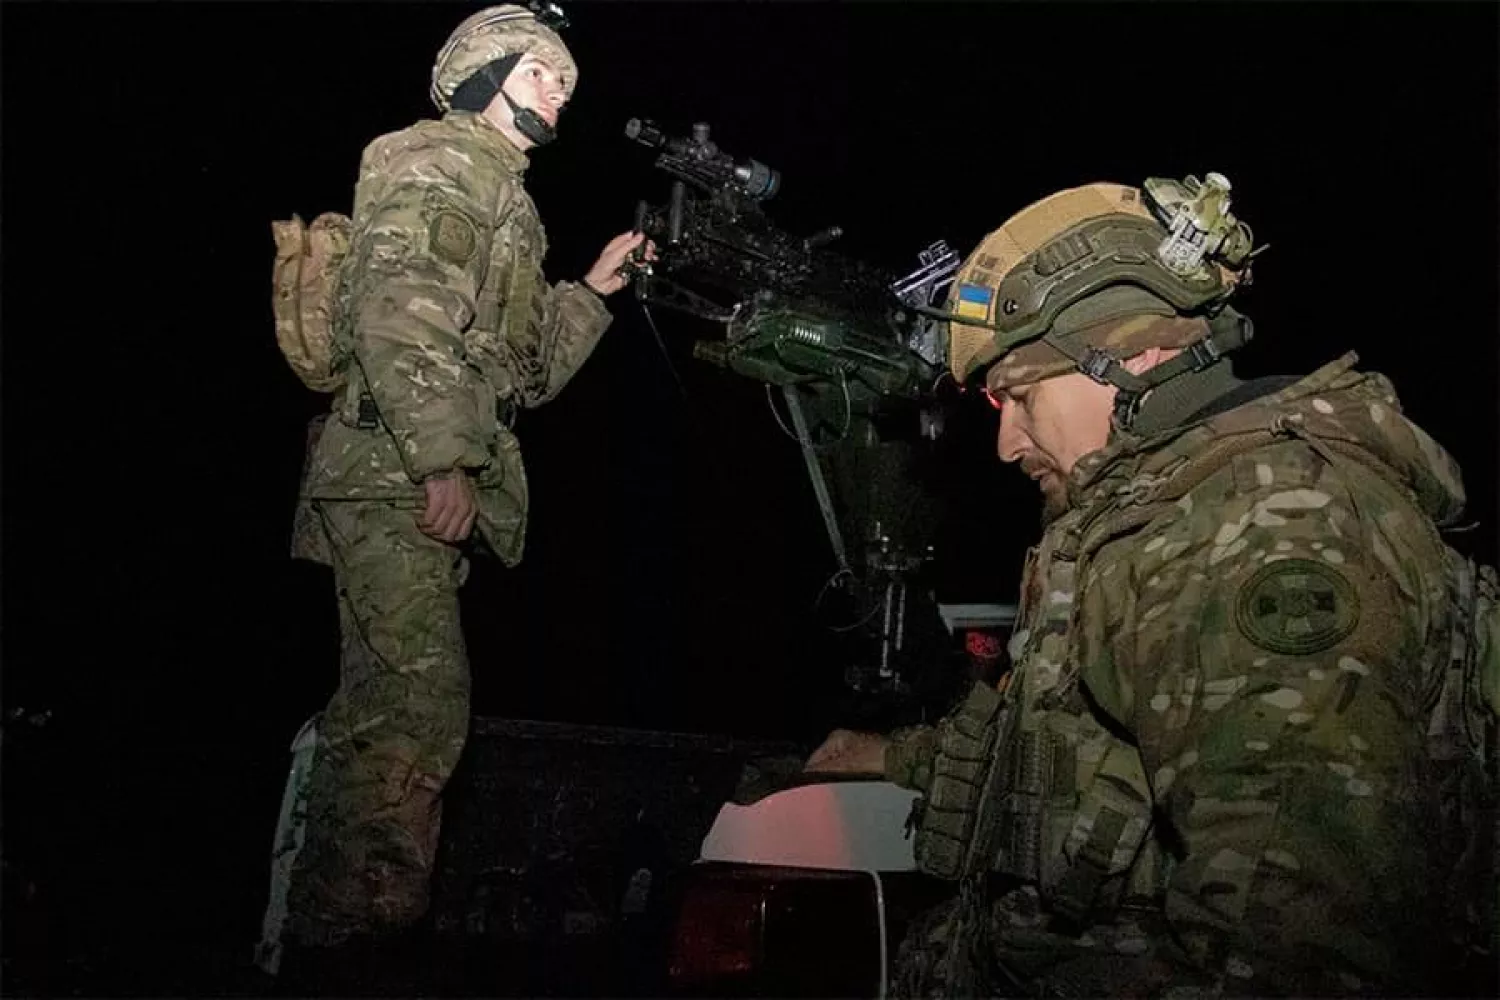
{"x":153,"y":434}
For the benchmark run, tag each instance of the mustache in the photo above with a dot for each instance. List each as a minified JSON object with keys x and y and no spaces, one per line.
{"x":1034,"y":467}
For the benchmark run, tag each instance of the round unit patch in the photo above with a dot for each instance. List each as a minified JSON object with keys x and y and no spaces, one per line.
{"x":1296,"y":606}
{"x":451,"y":237}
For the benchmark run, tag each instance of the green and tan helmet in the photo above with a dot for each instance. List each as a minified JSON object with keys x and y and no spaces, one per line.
{"x":1094,"y":274}
{"x":494,"y":34}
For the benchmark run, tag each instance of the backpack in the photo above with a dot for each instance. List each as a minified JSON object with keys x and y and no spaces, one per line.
{"x":304,"y":281}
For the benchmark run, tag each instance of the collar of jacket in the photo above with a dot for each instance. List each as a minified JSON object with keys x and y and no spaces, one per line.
{"x":483,"y":131}
{"x":1097,"y":472}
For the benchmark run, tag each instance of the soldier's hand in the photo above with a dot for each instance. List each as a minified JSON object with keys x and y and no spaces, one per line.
{"x":605,"y":277}
{"x":848,"y":751}
{"x":451,"y":507}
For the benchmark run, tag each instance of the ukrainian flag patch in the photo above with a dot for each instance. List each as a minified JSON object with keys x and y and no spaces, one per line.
{"x":973,"y":302}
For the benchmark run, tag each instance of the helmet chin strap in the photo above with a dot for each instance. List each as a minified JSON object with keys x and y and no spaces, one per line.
{"x":530,"y":124}
{"x":476,"y":93}
{"x":1228,"y":331}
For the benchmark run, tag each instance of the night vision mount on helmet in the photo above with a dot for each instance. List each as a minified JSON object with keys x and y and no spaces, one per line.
{"x":1175,"y":243}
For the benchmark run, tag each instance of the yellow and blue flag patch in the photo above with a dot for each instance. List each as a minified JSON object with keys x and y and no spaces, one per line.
{"x":973,"y":302}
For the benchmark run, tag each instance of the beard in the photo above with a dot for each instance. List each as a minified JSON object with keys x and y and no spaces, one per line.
{"x":1053,"y":485}
{"x":1055,"y":501}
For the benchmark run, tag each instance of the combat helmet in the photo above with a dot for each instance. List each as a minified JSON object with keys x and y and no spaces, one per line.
{"x":1092,"y":275}
{"x":481,"y":52}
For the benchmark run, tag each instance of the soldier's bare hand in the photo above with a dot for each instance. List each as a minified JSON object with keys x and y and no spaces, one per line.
{"x":848,"y":751}
{"x":451,"y":507}
{"x":605,"y":277}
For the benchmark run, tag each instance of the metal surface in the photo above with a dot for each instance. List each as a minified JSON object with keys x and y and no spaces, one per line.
{"x":815,"y":473}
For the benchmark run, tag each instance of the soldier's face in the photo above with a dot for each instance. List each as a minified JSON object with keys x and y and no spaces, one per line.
{"x":535,"y":84}
{"x":1048,"y":426}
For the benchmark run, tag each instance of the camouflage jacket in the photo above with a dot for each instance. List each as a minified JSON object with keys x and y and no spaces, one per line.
{"x":1210,"y":768}
{"x":447,"y":323}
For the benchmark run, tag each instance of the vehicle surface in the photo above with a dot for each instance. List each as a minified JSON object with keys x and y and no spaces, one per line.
{"x":805,"y":892}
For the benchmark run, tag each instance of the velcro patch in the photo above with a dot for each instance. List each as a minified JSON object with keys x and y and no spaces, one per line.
{"x":1296,"y":607}
{"x":452,"y":237}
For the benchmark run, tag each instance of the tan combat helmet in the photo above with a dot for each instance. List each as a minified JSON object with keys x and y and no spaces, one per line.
{"x":1092,"y":275}
{"x":496,"y":33}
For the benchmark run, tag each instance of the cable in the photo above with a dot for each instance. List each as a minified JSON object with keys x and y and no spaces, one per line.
{"x":859,"y":624}
{"x":823,"y":591}
{"x":848,"y":409}
{"x":843,"y":431}
{"x":651,"y":322}
{"x":771,"y":402}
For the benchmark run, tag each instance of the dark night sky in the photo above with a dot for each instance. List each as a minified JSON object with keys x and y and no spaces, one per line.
{"x":152,"y":433}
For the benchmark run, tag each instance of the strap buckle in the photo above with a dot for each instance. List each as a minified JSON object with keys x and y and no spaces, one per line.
{"x":1205,"y":352}
{"x":1096,"y":365}
{"x":369,"y":413}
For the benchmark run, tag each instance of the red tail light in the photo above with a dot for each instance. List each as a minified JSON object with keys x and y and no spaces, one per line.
{"x":765,"y":930}
{"x":720,"y":934}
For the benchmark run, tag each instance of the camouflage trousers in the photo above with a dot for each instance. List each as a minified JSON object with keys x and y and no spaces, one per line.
{"x":945,"y":953}
{"x":392,"y":734}
{"x":1003,"y":948}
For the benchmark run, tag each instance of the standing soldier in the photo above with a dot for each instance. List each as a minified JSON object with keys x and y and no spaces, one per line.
{"x":1241,"y":748}
{"x":446,"y":328}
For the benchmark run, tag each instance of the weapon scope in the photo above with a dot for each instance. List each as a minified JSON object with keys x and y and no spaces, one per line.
{"x":699,"y":159}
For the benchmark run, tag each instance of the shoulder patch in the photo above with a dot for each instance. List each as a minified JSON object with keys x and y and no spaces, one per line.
{"x":1296,"y":606}
{"x":452,"y":237}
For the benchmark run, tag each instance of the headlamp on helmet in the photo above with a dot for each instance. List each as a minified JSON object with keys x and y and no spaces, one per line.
{"x":548,"y":15}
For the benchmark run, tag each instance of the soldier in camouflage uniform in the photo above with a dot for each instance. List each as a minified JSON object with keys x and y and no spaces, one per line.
{"x":1238,"y":750}
{"x":448,"y":327}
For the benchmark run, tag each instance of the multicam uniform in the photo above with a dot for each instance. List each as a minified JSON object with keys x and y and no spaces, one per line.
{"x":1214,"y":749}
{"x":1236,"y":754}
{"x":451,"y":327}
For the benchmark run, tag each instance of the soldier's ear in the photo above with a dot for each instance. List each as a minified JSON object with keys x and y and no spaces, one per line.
{"x":1148,"y":359}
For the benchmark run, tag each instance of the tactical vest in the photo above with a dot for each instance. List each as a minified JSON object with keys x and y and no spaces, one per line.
{"x":1005,"y":792}
{"x":1028,"y":783}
